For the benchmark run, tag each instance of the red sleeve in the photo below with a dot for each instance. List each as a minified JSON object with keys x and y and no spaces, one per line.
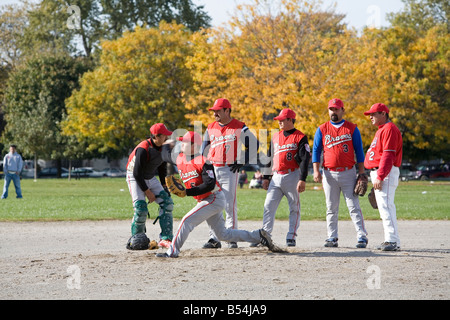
{"x":390,"y":142}
{"x":386,"y":163}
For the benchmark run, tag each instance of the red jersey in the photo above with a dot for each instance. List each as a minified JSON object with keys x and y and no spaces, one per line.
{"x":337,"y":144}
{"x":224,"y":142}
{"x":191,"y":173}
{"x":385,"y":150}
{"x":285,"y":149}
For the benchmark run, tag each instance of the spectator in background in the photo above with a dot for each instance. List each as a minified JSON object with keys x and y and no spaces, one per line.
{"x":12,"y":167}
{"x":242,"y":178}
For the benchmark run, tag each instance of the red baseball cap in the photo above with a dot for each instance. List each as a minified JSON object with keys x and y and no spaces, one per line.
{"x":285,"y":114}
{"x":377,"y":107}
{"x":192,"y":137}
{"x":160,"y":128}
{"x":335,"y":103}
{"x":221,"y":104}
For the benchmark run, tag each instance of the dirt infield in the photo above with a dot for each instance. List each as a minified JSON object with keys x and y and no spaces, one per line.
{"x":88,"y":260}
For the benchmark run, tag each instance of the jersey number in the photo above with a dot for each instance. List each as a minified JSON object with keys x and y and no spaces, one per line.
{"x":288,"y":156}
{"x":371,"y":154}
{"x":345,"y":147}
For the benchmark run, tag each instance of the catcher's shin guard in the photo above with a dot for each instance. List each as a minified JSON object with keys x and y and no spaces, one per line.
{"x":165,"y":215}
{"x":139,"y":218}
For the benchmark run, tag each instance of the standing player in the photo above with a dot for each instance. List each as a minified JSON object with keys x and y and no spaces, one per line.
{"x":290,"y":159}
{"x":340,"y":140}
{"x":224,"y":137}
{"x":144,"y":162}
{"x":384,"y":158}
{"x":199,"y":178}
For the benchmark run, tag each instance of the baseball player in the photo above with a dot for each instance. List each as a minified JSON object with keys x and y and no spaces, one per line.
{"x":199,"y":178}
{"x":290,"y":159}
{"x":148,"y":158}
{"x":340,"y":140}
{"x":384,"y":158}
{"x":222,"y":143}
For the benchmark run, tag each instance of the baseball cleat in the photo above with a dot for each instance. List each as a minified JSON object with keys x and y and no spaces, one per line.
{"x":388,"y":246}
{"x":331,"y":242}
{"x":165,"y":243}
{"x":291,"y":242}
{"x":232,"y":245}
{"x":362,"y":242}
{"x":266,"y":239}
{"x":212,"y":244}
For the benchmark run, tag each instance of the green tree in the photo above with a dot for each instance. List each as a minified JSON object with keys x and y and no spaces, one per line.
{"x":126,"y":15}
{"x":34,"y":104}
{"x":422,"y":15}
{"x":419,"y":45}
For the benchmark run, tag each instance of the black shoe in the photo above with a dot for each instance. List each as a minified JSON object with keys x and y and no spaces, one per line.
{"x":389,"y":246}
{"x":266,"y":240}
{"x":362,"y":242}
{"x":331,"y":242}
{"x":232,"y":245}
{"x":290,"y":242}
{"x":212,"y":244}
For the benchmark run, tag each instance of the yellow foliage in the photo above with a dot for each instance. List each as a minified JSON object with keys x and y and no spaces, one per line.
{"x":142,"y":79}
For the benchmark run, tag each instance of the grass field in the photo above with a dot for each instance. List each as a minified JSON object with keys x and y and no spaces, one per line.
{"x":108,"y":198}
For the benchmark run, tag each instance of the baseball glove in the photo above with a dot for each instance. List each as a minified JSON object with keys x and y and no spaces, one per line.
{"x":361,"y":185}
{"x":175,"y":186}
{"x":372,"y":199}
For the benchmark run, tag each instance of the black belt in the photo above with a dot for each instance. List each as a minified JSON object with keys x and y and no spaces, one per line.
{"x":374,"y":169}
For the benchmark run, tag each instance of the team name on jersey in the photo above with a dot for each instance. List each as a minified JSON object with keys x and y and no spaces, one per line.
{"x":330,"y":141}
{"x":285,"y":147}
{"x":186,"y":176}
{"x":215,"y":141}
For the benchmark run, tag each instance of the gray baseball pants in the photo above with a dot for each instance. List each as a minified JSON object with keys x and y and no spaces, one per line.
{"x":209,"y":210}
{"x":283,"y":185}
{"x":333,"y":183}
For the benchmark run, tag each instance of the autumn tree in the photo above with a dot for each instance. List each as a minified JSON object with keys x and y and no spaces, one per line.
{"x":141,"y":80}
{"x":275,"y":55}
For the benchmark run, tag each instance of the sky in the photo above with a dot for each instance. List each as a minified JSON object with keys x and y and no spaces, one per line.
{"x":359,"y":13}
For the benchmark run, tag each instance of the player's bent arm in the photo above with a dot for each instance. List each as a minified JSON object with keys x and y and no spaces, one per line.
{"x":303,"y":157}
{"x":138,"y":170}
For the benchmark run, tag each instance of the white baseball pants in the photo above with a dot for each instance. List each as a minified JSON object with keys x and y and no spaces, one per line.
{"x":386,"y":207}
{"x":136,"y":192}
{"x":283,"y":185}
{"x":333,"y":183}
{"x":209,"y":210}
{"x":228,"y":182}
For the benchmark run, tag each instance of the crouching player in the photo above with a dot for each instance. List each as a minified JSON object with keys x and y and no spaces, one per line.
{"x":200,"y":182}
